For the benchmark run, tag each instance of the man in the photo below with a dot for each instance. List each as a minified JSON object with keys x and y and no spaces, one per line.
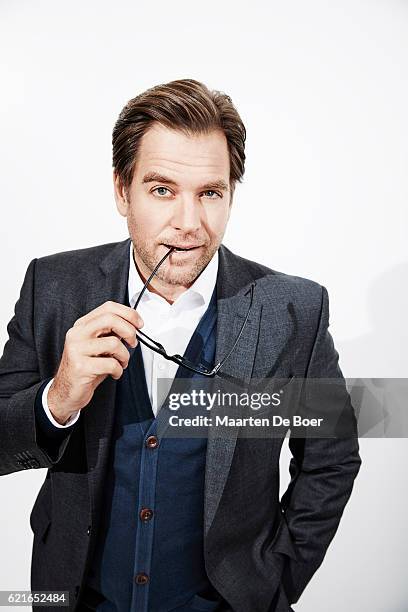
{"x":128,"y":519}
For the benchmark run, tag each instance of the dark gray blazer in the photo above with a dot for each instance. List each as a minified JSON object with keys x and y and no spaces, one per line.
{"x":260,"y":552}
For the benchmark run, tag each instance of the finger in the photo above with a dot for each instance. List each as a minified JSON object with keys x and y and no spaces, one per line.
{"x":105,"y":366}
{"x":105,"y":324}
{"x":110,"y":346}
{"x":125,"y":312}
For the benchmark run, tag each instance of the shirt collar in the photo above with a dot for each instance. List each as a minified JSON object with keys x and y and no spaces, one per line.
{"x":202,"y":288}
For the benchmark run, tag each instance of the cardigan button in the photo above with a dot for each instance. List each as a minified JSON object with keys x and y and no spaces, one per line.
{"x":152,"y":442}
{"x":146,"y":514}
{"x":141,"y":578}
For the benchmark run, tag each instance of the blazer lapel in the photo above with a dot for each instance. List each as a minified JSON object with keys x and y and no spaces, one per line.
{"x":110,"y":283}
{"x":233,"y":283}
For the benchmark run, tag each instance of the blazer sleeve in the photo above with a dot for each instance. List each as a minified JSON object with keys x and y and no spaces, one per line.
{"x":21,"y":441}
{"x":322,"y":470}
{"x":49,"y":437}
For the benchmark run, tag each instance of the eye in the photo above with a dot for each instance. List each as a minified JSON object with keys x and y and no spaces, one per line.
{"x":210,"y":191}
{"x":161,"y":190}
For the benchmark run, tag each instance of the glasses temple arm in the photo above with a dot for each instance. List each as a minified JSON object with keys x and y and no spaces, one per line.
{"x":151,"y":276}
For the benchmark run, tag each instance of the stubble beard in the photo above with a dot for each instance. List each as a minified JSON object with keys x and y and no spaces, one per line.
{"x":178,"y":272}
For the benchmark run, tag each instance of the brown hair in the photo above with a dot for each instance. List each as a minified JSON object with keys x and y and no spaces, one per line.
{"x":186,"y":105}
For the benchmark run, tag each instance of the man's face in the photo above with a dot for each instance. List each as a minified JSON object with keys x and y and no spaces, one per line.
{"x":180,"y":196}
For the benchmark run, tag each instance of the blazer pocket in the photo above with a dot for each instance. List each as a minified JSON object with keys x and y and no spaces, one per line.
{"x":282,"y":541}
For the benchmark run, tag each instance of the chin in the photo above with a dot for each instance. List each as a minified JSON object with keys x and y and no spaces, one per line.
{"x":182,"y":277}
{"x":183,"y":274}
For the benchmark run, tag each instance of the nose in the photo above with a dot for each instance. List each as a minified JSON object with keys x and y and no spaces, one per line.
{"x":186,"y":215}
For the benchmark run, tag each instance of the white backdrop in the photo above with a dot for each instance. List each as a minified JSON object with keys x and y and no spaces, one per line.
{"x":322,"y":88}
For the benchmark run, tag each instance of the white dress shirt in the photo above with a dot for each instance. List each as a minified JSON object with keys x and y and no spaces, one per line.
{"x":170,"y":324}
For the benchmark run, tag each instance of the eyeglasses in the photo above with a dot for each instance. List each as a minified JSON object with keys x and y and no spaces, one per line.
{"x":179,"y":359}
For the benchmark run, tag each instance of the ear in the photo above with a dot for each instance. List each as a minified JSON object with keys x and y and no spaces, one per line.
{"x":120,"y":195}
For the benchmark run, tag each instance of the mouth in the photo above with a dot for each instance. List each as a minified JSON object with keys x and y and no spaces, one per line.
{"x":182,"y":248}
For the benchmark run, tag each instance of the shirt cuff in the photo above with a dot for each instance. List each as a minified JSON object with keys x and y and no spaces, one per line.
{"x":72,"y":419}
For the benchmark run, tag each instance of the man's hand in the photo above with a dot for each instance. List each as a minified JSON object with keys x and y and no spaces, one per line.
{"x":93,"y":350}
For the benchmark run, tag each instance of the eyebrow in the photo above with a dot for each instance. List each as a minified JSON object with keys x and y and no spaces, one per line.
{"x":153,"y":177}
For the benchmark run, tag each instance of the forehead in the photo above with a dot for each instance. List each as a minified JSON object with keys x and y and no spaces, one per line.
{"x":179,"y":154}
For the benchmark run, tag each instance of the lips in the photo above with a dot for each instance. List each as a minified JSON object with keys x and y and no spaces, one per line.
{"x":183,"y":247}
